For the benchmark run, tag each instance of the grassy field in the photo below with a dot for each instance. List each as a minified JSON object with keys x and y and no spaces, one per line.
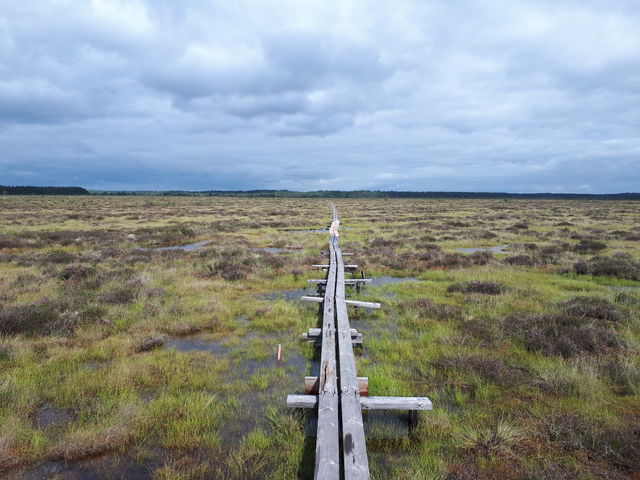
{"x":120,"y":359}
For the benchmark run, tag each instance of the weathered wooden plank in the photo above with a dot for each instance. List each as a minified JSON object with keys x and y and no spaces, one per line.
{"x":327,"y":461}
{"x":368,"y":403}
{"x":396,"y":403}
{"x":357,"y":303}
{"x":306,"y":298}
{"x":302,"y":401}
{"x":354,"y":448}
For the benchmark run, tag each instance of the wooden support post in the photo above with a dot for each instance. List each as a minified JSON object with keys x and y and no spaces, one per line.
{"x":413,"y":420}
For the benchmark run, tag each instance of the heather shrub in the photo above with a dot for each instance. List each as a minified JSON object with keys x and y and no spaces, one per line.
{"x":619,"y":446}
{"x":426,"y":308}
{"x":489,"y":369}
{"x":476,"y":286}
{"x":619,"y":265}
{"x":562,"y":335}
{"x":46,"y":316}
{"x":587,"y":245}
{"x":522,"y":260}
{"x":594,"y":308}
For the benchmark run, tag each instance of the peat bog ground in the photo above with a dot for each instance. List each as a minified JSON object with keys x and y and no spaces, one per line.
{"x":122,"y":358}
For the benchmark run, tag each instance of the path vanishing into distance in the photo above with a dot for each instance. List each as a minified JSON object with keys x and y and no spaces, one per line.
{"x":338,"y":394}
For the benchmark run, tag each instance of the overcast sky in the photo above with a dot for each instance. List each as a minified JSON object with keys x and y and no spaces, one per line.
{"x":518,"y":96}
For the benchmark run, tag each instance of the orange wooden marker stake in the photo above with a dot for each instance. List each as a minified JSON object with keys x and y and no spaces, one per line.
{"x":279,"y":354}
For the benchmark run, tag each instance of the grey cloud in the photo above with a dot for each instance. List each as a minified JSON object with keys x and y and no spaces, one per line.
{"x":497,"y":95}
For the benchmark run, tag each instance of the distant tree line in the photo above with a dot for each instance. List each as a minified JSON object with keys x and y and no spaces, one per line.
{"x":29,"y":190}
{"x":371,"y":194}
{"x":26,"y":190}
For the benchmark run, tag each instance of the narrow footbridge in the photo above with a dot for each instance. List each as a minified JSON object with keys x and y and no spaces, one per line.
{"x":338,"y":393}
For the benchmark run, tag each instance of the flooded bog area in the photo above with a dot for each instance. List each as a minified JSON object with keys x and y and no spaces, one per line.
{"x":494,"y":249}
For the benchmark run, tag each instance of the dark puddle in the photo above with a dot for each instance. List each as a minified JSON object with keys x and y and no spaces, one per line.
{"x":101,"y":468}
{"x":47,"y":416}
{"x":293,"y":363}
{"x":494,"y":249}
{"x":290,"y":295}
{"x":97,"y":365}
{"x":250,"y":412}
{"x":196,"y":344}
{"x":186,"y":248}
{"x":386,"y":425}
{"x":242,"y":320}
{"x":275,"y":250}
{"x":386,"y":280}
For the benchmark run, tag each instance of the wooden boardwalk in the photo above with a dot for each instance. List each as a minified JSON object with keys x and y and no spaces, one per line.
{"x":341,"y":450}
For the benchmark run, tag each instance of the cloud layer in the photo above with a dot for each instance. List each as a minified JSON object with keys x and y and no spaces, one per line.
{"x":409,"y":95}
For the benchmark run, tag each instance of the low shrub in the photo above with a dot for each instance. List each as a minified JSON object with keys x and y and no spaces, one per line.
{"x":562,"y":335}
{"x":451,"y":260}
{"x":57,"y":256}
{"x":620,"y":447}
{"x":489,"y":369}
{"x":522,"y":260}
{"x":619,"y":265}
{"x":481,"y":257}
{"x":42,"y":317}
{"x":11,"y":241}
{"x":587,"y":245}
{"x":627,"y":298}
{"x":426,"y":308}
{"x":476,"y":286}
{"x":624,"y":373}
{"x":591,"y":307}
{"x":383,"y":242}
{"x":76,"y":272}
{"x":272,"y":261}
{"x":520,"y":226}
{"x":148,"y":344}
{"x":120,"y":295}
{"x":487,"y":331}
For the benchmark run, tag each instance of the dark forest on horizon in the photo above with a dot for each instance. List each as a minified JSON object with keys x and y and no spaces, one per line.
{"x":34,"y":190}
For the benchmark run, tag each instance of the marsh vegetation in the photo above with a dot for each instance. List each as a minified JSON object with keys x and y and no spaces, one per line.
{"x":121,"y":357}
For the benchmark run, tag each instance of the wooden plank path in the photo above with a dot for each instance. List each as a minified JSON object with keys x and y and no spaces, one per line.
{"x":341,"y":450}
